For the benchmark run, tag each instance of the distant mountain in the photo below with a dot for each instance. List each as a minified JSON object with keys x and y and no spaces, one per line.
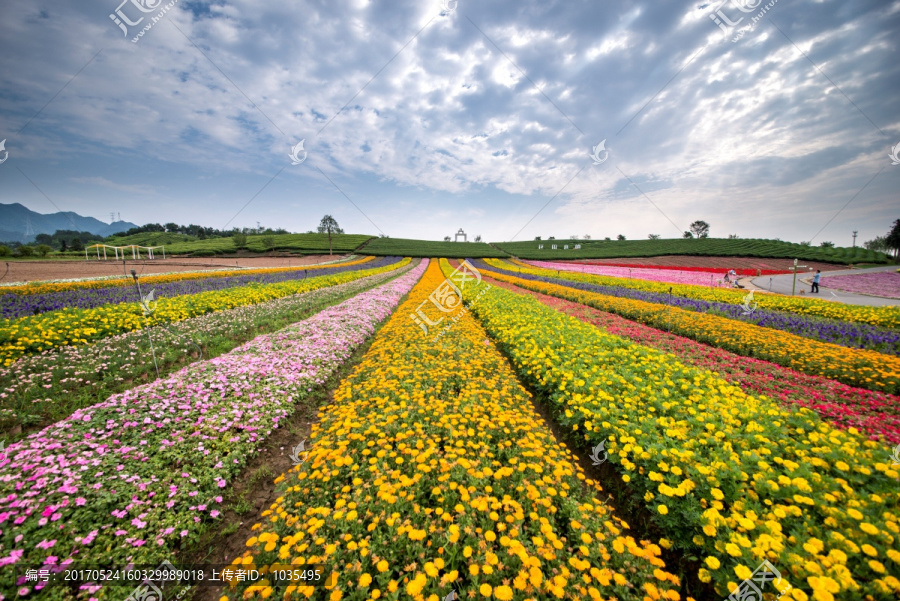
{"x":21,"y":224}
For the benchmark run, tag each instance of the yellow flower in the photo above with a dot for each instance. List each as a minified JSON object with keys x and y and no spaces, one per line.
{"x":713,"y":563}
{"x":365,"y":580}
{"x":416,"y":585}
{"x":382,"y":566}
{"x":485,"y":590}
{"x":662,"y":509}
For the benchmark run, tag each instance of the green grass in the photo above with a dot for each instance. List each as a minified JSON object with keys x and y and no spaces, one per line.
{"x":713,"y":247}
{"x":304,"y":244}
{"x":149,"y":239}
{"x":427,"y":248}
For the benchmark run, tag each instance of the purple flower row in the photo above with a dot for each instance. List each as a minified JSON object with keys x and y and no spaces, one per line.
{"x":125,"y":480}
{"x":14,"y":306}
{"x":853,"y":335}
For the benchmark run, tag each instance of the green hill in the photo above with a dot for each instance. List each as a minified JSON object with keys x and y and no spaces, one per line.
{"x":182,"y":244}
{"x":428,"y":248}
{"x":713,"y":247}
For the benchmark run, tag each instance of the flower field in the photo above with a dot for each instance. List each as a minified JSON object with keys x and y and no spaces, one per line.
{"x":127,"y":479}
{"x":431,"y":473}
{"x":40,"y":389}
{"x":14,"y":306}
{"x":672,"y":276}
{"x":887,"y":317}
{"x":866,"y":369}
{"x":853,"y":335}
{"x":577,"y":437}
{"x":883,"y":283}
{"x":875,"y":414}
{"x":73,"y":326}
{"x":730,"y":478}
{"x":161,"y":278}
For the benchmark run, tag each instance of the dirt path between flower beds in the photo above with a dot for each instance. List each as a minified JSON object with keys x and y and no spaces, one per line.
{"x":31,"y":271}
{"x":875,"y":414}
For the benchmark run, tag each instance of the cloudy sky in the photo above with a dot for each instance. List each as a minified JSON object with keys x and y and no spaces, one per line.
{"x":419,"y":118}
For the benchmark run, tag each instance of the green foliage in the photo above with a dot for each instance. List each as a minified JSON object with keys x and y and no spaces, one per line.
{"x":620,"y":237}
{"x":42,"y":249}
{"x":5,"y":250}
{"x":425,"y":248}
{"x":893,"y":237}
{"x":268,"y":242}
{"x":700,"y":229}
{"x":25,"y":250}
{"x":713,"y":247}
{"x":826,"y":244}
{"x":239,"y":239}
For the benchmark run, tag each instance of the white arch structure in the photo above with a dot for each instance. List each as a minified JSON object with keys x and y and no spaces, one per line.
{"x":135,"y":251}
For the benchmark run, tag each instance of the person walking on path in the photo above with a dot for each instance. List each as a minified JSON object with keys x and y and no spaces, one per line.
{"x":815,"y":282}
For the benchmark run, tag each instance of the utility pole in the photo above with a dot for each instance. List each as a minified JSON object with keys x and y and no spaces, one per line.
{"x":794,"y":269}
{"x":854,"y":238}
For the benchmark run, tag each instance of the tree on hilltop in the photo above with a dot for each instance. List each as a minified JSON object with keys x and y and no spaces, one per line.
{"x":329,"y":226}
{"x":653,"y":236}
{"x":700,"y":229}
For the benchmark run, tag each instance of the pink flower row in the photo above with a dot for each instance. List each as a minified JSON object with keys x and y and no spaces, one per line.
{"x":145,"y":468}
{"x":672,"y":276}
{"x":878,"y":283}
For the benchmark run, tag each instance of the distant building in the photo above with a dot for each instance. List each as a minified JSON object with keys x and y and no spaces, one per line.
{"x":461,"y":233}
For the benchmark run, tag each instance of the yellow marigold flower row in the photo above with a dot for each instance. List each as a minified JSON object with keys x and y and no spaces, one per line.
{"x":730,"y":478}
{"x":44,"y":287}
{"x":887,"y":316}
{"x":430,"y":472}
{"x":857,"y":367}
{"x":65,"y":327}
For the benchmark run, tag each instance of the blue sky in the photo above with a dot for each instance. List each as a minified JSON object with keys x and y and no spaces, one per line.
{"x":419,"y":118}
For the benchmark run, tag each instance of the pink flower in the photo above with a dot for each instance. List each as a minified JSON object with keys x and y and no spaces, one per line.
{"x":45,"y":545}
{"x":80,"y":501}
{"x":221,"y":483}
{"x":214,"y":513}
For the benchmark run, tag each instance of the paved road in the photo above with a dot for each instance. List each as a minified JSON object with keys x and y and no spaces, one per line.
{"x":782,"y":285}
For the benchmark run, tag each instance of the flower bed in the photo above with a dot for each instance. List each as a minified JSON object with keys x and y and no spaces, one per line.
{"x":125,"y":480}
{"x":14,"y":306}
{"x":41,"y":389}
{"x":699,"y":277}
{"x":853,"y":335}
{"x":50,"y":286}
{"x":879,"y":283}
{"x":866,"y":369}
{"x":730,"y":478}
{"x":721,"y":271}
{"x":887,"y":317}
{"x":31,"y":335}
{"x":432,"y":473}
{"x":875,"y":414}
